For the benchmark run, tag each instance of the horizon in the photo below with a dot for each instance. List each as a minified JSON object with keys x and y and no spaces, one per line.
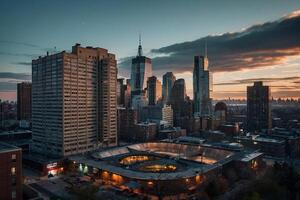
{"x":254,"y":47}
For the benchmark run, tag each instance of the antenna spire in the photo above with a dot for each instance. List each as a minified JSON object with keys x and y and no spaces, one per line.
{"x":140,"y":51}
{"x":205,"y":49}
{"x":140,"y":40}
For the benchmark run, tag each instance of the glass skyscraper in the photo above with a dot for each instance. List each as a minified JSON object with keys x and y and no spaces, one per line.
{"x":202,"y":87}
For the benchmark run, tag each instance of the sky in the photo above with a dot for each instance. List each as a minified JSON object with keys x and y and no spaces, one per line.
{"x":246,"y":40}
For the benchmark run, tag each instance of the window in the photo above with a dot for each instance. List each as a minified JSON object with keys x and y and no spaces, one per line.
{"x":13,"y":181}
{"x":14,"y":157}
{"x":13,"y":194}
{"x":13,"y":171}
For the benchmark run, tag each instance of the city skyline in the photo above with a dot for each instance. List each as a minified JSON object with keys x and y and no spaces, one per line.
{"x":240,"y":51}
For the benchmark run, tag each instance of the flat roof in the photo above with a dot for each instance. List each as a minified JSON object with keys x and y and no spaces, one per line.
{"x":265,"y":139}
{"x":4,"y":147}
{"x":108,"y":160}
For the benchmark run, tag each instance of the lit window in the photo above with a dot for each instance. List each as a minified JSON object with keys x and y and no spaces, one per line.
{"x":13,"y":194}
{"x":13,"y":170}
{"x":13,"y":157}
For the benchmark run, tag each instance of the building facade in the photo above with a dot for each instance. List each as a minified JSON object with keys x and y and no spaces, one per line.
{"x":24,"y":101}
{"x":158,"y":113}
{"x":127,"y":118}
{"x":10,"y":172}
{"x":127,"y":94}
{"x":74,"y":101}
{"x":202,"y":87}
{"x":141,"y":69}
{"x":258,"y":108}
{"x":154,"y":90}
{"x":120,"y":92}
{"x":179,"y":100}
{"x":168,"y":83}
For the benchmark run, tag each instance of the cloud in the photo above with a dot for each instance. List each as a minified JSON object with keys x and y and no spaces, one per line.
{"x":260,"y":45}
{"x":19,"y":43}
{"x":251,"y":80}
{"x":18,"y":76}
{"x":18,"y":54}
{"x":9,"y":80}
{"x":22,"y":63}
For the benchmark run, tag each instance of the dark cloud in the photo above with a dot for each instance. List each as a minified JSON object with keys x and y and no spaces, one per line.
{"x":258,"y":46}
{"x":19,"y":43}
{"x":6,"y":86}
{"x":22,"y":63}
{"x":17,"y":76}
{"x":251,"y":80}
{"x":18,"y":54}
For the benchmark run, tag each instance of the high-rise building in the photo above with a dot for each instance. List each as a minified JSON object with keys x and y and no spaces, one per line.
{"x":141,"y":69}
{"x":127,"y":94}
{"x":127,"y":118}
{"x":120,"y":92}
{"x":24,"y":101}
{"x":74,"y":101}
{"x":168,"y":82}
{"x":158,"y":113}
{"x":10,"y":172}
{"x":178,"y":97}
{"x":258,"y":107}
{"x":202,"y":87}
{"x":154,"y":90}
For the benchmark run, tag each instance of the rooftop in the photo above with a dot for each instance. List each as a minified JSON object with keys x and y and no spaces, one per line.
{"x":4,"y":147}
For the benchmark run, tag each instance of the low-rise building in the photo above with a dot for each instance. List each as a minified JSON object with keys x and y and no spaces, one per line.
{"x":145,"y":132}
{"x":10,"y":172}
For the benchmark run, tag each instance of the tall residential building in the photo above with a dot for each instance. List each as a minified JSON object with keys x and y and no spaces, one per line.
{"x":258,"y":107}
{"x":202,"y":87}
{"x":74,"y":101}
{"x":168,"y":82}
{"x":154,"y":90}
{"x":24,"y":101}
{"x":10,"y":172}
{"x":141,"y":69}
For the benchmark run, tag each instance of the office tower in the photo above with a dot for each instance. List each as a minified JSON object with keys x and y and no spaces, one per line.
{"x":127,"y":94}
{"x":154,"y":90}
{"x":202,"y":87}
{"x":120,"y":92}
{"x":178,"y":97}
{"x":221,"y":111}
{"x":24,"y":101}
{"x":10,"y":172}
{"x":127,"y":118}
{"x":160,"y":113}
{"x":168,"y":82}
{"x":74,"y":101}
{"x":141,"y":69}
{"x":258,"y":107}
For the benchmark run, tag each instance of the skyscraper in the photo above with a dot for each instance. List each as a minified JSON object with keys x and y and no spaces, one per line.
{"x":24,"y":101}
{"x":74,"y":101}
{"x":168,"y":82}
{"x":258,"y":107}
{"x":127,"y":94}
{"x":154,"y":90}
{"x":141,"y":69}
{"x":120,"y":92}
{"x":202,"y":87}
{"x":178,"y":97}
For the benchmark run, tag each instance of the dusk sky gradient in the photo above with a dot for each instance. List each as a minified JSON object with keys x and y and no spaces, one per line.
{"x":247,"y":41}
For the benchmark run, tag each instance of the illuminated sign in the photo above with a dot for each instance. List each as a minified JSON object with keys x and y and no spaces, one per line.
{"x":51,"y":165}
